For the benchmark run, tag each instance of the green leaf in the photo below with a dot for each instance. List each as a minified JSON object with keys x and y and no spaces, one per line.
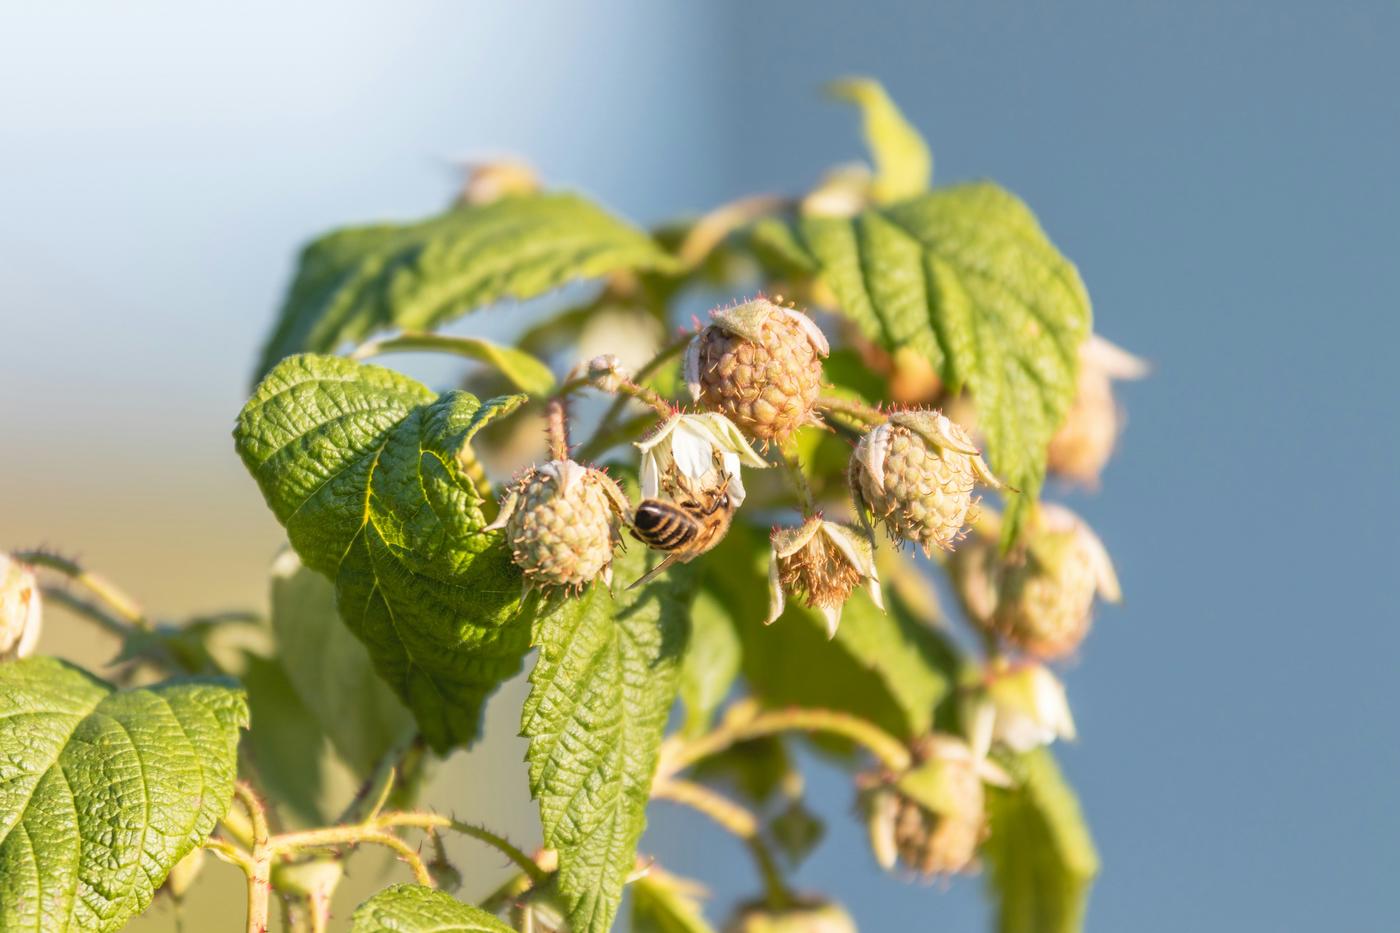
{"x":599,"y":698}
{"x":368,"y":472}
{"x":903,"y":163}
{"x":711,"y":662}
{"x":416,"y":276}
{"x":965,"y":276}
{"x":886,"y":666}
{"x":413,"y":908}
{"x":1041,"y":855}
{"x":331,"y":671}
{"x":103,"y":791}
{"x":526,"y":372}
{"x":663,"y":903}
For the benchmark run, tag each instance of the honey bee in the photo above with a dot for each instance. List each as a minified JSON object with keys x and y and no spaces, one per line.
{"x":685,"y":528}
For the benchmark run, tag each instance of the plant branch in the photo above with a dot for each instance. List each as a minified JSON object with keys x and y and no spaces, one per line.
{"x":430,"y":821}
{"x":121,"y":605}
{"x":260,"y":869}
{"x":556,"y":422}
{"x":712,"y":229}
{"x":736,"y":820}
{"x":886,"y":748}
{"x":854,"y":409}
{"x":792,"y":469}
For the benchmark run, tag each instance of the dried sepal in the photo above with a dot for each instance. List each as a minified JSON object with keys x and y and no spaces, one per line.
{"x":820,"y":563}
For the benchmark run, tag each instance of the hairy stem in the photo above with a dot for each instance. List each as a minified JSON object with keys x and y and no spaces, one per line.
{"x":480,"y":833}
{"x":120,"y":605}
{"x":619,"y":404}
{"x":556,"y":421}
{"x":854,"y":409}
{"x":792,"y":469}
{"x":886,"y":748}
{"x":736,"y":820}
{"x":260,"y":870}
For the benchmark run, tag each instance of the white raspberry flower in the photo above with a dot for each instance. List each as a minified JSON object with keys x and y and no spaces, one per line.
{"x":1023,"y":707}
{"x":21,"y":610}
{"x":691,"y":449}
{"x":759,"y":363}
{"x":1083,"y":444}
{"x":561,"y":522}
{"x":820,"y":563}
{"x":932,"y":817}
{"x":915,"y":473}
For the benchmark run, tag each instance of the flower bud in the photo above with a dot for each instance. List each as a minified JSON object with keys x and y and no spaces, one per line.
{"x":1023,"y":707}
{"x":820,"y":563}
{"x":932,"y":817}
{"x":1085,"y":441}
{"x":759,"y":363}
{"x":807,"y":915}
{"x":607,"y":372}
{"x":561,"y":522}
{"x":21,"y":610}
{"x":915,"y":474}
{"x":1040,"y":596}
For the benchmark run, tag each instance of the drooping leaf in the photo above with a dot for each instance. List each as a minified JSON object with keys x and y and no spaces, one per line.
{"x":103,"y":791}
{"x":664,"y":903}
{"x":1041,"y":856}
{"x":413,"y":908}
{"x":415,"y":276}
{"x":330,"y":669}
{"x":525,"y":371}
{"x":797,"y":830}
{"x":965,"y":276}
{"x":903,"y":163}
{"x":367,"y":471}
{"x":885,"y":666}
{"x":711,"y":662}
{"x":599,"y":698}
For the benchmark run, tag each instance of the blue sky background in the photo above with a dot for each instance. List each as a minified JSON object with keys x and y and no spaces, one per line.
{"x":1224,"y":174}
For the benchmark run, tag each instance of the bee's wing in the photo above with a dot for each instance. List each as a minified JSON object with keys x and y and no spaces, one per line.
{"x":656,"y":571}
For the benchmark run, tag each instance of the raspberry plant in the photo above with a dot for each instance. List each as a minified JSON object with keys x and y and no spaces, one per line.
{"x":891,"y":352}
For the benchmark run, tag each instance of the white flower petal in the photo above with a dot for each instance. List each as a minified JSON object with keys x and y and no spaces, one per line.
{"x":777,"y":600}
{"x":650,"y":476}
{"x":875,"y":445}
{"x":692,"y":451}
{"x":833,"y":620}
{"x":662,"y":432}
{"x":727,"y":436}
{"x":736,"y":481}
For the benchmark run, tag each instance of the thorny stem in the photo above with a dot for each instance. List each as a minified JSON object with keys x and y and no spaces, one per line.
{"x":122,"y":606}
{"x":422,"y":820}
{"x":852,"y":408}
{"x":885,"y":747}
{"x":556,"y":421}
{"x":259,"y":870}
{"x":736,"y":820}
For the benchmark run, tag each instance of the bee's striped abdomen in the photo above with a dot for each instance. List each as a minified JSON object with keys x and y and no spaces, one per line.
{"x":663,"y":526}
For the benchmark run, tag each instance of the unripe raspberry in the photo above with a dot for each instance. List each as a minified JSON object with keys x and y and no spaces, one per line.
{"x":21,"y":610}
{"x":915,"y":473}
{"x":932,"y":818}
{"x":820,"y":563}
{"x":560,"y":521}
{"x":808,"y":915}
{"x":1083,"y":444}
{"x":760,"y":364}
{"x":1040,"y":597}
